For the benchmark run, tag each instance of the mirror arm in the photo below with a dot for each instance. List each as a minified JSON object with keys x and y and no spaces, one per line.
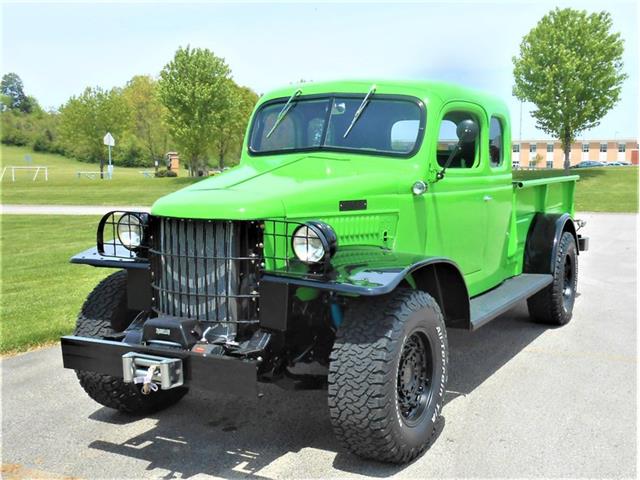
{"x":454,"y":152}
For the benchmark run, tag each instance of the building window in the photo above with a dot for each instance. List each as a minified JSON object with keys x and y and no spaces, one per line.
{"x":549,"y":147}
{"x":516,"y":148}
{"x":622,"y":148}
{"x":532,"y":163}
{"x":495,"y":142}
{"x":585,"y":148}
{"x":603,"y":148}
{"x":533,"y":148}
{"x":549,"y":163}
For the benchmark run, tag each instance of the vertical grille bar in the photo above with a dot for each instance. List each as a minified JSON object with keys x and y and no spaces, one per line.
{"x":196,"y":279}
{"x":215,"y":270}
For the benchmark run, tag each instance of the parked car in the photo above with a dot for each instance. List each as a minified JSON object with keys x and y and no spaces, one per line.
{"x":618,"y":164}
{"x":352,"y":235}
{"x":588,"y":164}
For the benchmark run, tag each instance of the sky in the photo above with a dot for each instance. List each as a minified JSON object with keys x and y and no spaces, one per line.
{"x":58,"y":49}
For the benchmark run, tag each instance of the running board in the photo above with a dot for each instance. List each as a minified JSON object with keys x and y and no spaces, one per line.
{"x":488,"y":306}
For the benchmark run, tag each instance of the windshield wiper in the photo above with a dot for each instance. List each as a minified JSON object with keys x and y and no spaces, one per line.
{"x":283,"y":112}
{"x":359,"y":111}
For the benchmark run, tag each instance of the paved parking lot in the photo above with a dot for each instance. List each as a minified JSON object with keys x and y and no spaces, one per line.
{"x":523,"y":401}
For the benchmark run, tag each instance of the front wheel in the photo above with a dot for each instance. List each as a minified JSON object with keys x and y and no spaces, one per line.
{"x":388,"y":376}
{"x":104,"y":313}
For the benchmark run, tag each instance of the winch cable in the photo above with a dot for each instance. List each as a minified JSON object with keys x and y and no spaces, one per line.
{"x":147,"y":381}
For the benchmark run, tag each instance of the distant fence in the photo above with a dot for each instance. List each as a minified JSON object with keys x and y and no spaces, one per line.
{"x":37,"y":169}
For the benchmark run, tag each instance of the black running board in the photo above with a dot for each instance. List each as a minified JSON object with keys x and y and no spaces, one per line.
{"x":488,"y":306}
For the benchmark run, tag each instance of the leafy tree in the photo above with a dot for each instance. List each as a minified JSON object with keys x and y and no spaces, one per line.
{"x":5,"y":102}
{"x":148,"y":114}
{"x":230,"y":132}
{"x":570,"y":67}
{"x":195,"y":88}
{"x":12,"y":89}
{"x":84,"y":120}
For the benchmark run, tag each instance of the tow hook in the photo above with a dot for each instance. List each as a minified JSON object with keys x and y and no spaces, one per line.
{"x":147,"y":381}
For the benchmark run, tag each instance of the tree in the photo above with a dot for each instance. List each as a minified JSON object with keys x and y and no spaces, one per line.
{"x":570,"y":67}
{"x":230,"y":132}
{"x":195,"y":88}
{"x":12,"y":89}
{"x":148,"y":114}
{"x":84,"y":120}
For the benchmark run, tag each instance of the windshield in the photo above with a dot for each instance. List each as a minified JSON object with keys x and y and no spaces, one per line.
{"x":388,"y":126}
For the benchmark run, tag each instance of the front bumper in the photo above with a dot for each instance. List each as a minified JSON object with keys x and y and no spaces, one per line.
{"x":201,"y":372}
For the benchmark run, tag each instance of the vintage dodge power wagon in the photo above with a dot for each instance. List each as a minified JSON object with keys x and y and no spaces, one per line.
{"x":364,"y":220}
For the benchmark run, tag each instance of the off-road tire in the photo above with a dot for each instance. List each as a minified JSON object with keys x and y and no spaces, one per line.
{"x":554,"y":304}
{"x":106,"y":307}
{"x":364,"y":383}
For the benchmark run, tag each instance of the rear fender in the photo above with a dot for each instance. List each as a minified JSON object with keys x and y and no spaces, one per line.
{"x":543,"y":240}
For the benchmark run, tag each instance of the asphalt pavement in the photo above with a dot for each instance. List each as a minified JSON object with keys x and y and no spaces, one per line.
{"x":524,"y":400}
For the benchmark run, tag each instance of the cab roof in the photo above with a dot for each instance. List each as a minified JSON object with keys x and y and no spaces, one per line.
{"x":424,"y":90}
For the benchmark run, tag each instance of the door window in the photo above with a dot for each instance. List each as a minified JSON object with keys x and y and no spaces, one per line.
{"x":467,"y":155}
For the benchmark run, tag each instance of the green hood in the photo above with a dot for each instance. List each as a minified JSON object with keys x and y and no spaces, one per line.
{"x":283,"y":186}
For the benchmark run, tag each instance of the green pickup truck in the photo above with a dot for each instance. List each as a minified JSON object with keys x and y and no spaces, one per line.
{"x":363,"y":221}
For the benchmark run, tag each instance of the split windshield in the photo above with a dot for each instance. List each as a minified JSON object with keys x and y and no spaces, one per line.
{"x":387,"y":126}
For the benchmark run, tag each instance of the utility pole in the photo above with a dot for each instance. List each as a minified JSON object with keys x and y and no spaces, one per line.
{"x":520,"y":136}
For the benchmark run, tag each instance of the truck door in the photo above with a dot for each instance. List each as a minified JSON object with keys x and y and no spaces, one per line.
{"x":497,"y":199}
{"x":457,"y":213}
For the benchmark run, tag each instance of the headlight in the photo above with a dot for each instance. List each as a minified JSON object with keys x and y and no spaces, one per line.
{"x":130,"y":231}
{"x":314,"y":242}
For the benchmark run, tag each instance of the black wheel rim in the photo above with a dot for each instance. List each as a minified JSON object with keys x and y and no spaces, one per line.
{"x":568,"y":291}
{"x":415,"y":372}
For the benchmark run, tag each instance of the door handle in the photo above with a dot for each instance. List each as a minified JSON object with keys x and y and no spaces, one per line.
{"x":487,"y":198}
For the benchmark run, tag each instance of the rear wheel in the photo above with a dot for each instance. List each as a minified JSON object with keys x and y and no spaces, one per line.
{"x":554,"y":304}
{"x":388,"y":376}
{"x":103,"y":314}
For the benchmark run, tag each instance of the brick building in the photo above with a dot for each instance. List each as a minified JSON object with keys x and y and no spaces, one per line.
{"x":549,"y":154}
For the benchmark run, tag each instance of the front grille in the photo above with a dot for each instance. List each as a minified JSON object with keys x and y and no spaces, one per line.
{"x":205,"y":269}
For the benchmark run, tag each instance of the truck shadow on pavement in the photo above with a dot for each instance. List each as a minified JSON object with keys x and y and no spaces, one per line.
{"x":231,"y":438}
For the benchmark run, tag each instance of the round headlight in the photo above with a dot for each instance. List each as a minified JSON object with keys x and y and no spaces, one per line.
{"x":130,"y":231}
{"x":314,"y":242}
{"x":307,"y":245}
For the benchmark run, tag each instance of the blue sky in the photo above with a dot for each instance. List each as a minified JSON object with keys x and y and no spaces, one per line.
{"x":60,"y":48}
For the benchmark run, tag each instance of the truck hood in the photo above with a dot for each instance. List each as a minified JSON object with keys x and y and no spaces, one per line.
{"x":280,"y":187}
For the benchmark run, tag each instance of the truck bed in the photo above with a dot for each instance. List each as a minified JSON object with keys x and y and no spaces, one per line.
{"x":543,"y":195}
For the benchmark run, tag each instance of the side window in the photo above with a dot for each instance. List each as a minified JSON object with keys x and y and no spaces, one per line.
{"x":448,"y":140}
{"x":495,"y":142}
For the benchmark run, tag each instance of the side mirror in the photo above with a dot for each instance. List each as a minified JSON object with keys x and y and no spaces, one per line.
{"x":467,"y":131}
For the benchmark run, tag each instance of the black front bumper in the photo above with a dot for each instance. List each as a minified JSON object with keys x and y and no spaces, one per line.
{"x":209,"y":373}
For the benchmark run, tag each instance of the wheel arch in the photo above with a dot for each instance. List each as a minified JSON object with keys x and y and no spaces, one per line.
{"x":543,"y":240}
{"x":443,"y":280}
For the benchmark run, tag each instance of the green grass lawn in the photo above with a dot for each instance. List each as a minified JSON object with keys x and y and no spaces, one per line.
{"x":41,"y":291}
{"x":602,"y":189}
{"x":128,"y":186}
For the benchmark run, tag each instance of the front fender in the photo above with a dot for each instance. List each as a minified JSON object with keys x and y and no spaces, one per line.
{"x":367,"y":271}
